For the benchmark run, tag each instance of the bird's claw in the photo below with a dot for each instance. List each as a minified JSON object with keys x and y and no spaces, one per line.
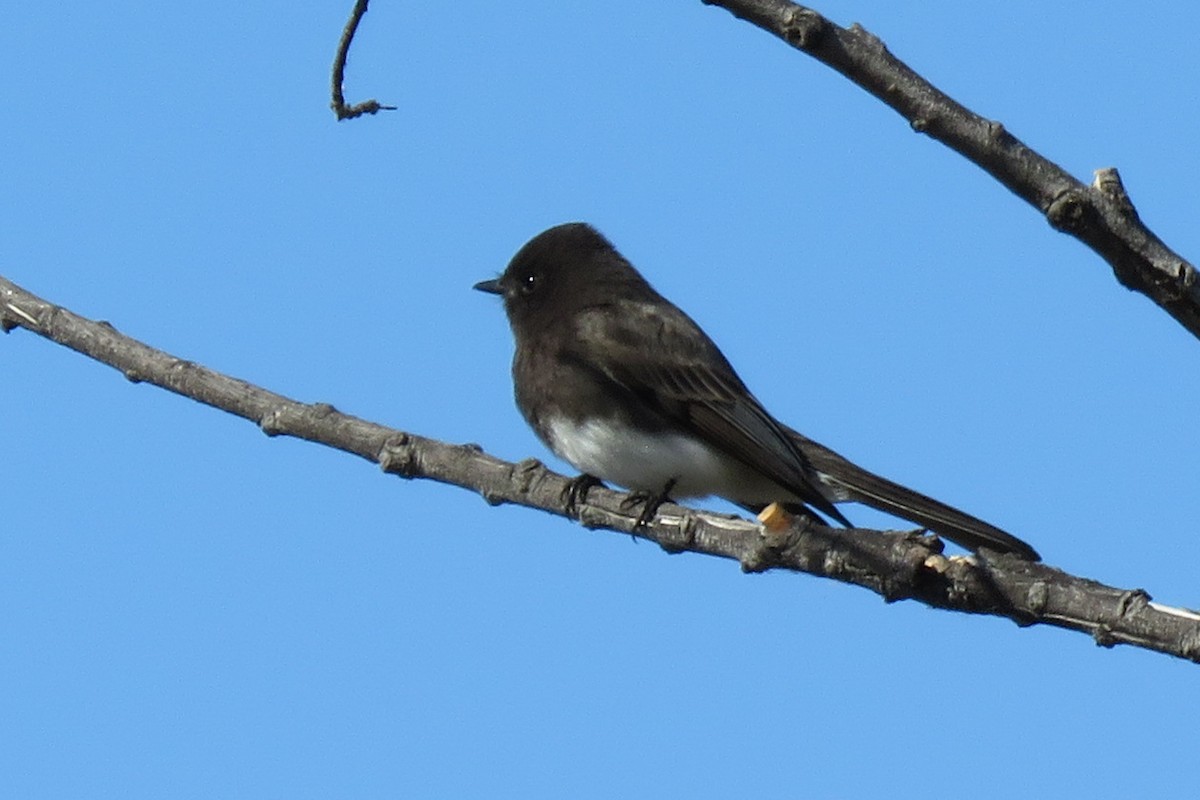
{"x":575,"y":493}
{"x":650,"y":502}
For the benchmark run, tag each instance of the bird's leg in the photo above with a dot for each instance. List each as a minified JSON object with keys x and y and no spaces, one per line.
{"x":652,"y":501}
{"x":575,"y":493}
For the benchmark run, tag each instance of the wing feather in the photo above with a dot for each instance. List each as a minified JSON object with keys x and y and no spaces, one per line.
{"x":681,"y":373}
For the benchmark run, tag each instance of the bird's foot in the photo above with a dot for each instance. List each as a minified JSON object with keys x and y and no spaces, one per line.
{"x":575,"y":493}
{"x":650,"y":502}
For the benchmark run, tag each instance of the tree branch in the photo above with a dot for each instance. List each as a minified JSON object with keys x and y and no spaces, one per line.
{"x":338,"y":105}
{"x":895,"y":565}
{"x":1101,"y":215}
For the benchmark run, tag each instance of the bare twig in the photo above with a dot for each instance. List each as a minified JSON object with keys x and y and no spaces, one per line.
{"x":896,"y":565}
{"x":1101,"y":215}
{"x":338,"y":105}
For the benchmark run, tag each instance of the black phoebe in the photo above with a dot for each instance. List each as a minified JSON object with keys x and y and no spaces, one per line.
{"x":627,"y":388}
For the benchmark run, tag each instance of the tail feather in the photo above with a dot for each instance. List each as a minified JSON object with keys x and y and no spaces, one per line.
{"x":848,"y":481}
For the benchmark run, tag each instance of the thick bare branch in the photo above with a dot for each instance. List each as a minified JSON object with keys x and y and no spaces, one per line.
{"x":1101,"y":215}
{"x":896,"y":565}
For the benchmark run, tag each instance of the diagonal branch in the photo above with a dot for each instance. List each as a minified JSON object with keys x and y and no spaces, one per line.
{"x":1101,"y":215}
{"x":895,"y":565}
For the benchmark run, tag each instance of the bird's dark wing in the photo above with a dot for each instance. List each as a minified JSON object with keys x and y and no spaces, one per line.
{"x":680,"y":372}
{"x":861,"y":486}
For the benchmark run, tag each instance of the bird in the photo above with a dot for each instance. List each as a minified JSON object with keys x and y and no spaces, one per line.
{"x":619,"y":382}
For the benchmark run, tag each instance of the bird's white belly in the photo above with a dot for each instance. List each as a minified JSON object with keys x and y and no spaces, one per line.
{"x":645,"y":461}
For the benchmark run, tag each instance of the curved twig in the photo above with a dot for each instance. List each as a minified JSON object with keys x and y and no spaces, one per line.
{"x":338,"y":105}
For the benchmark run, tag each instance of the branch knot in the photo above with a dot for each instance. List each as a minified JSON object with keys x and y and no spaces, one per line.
{"x":803,"y":27}
{"x":399,"y":456}
{"x":1065,"y":212}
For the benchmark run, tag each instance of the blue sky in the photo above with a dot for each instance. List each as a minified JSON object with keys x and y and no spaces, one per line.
{"x":190,"y":609}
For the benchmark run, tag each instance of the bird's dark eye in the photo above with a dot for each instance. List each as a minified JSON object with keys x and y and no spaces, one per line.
{"x":528,"y":283}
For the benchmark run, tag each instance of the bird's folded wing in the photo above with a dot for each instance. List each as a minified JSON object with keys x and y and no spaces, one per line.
{"x":686,"y":378}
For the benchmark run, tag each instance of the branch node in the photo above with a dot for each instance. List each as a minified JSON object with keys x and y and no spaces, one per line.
{"x":937,"y":563}
{"x":803,"y":27}
{"x":524,"y":473}
{"x":366,"y":107}
{"x":681,"y":537}
{"x":269,"y":423}
{"x":868,"y":40}
{"x":765,"y":552}
{"x":1037,"y":597}
{"x":1103,"y":636}
{"x":399,"y":456}
{"x":1185,"y":277}
{"x":775,"y":519}
{"x":1132,"y":602}
{"x":753,"y":562}
{"x":1108,"y":183}
{"x":687,"y":529}
{"x":926,"y":538}
{"x":1065,"y":212}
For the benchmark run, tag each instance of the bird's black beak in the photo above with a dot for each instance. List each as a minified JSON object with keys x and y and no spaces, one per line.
{"x":491,"y":287}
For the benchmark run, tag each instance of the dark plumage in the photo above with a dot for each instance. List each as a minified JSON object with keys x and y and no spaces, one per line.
{"x":622,"y":384}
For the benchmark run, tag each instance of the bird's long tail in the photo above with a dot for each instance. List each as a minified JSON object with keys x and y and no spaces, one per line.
{"x":848,"y":481}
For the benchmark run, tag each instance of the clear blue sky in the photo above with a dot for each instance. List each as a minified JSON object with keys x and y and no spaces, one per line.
{"x":191,"y":609}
